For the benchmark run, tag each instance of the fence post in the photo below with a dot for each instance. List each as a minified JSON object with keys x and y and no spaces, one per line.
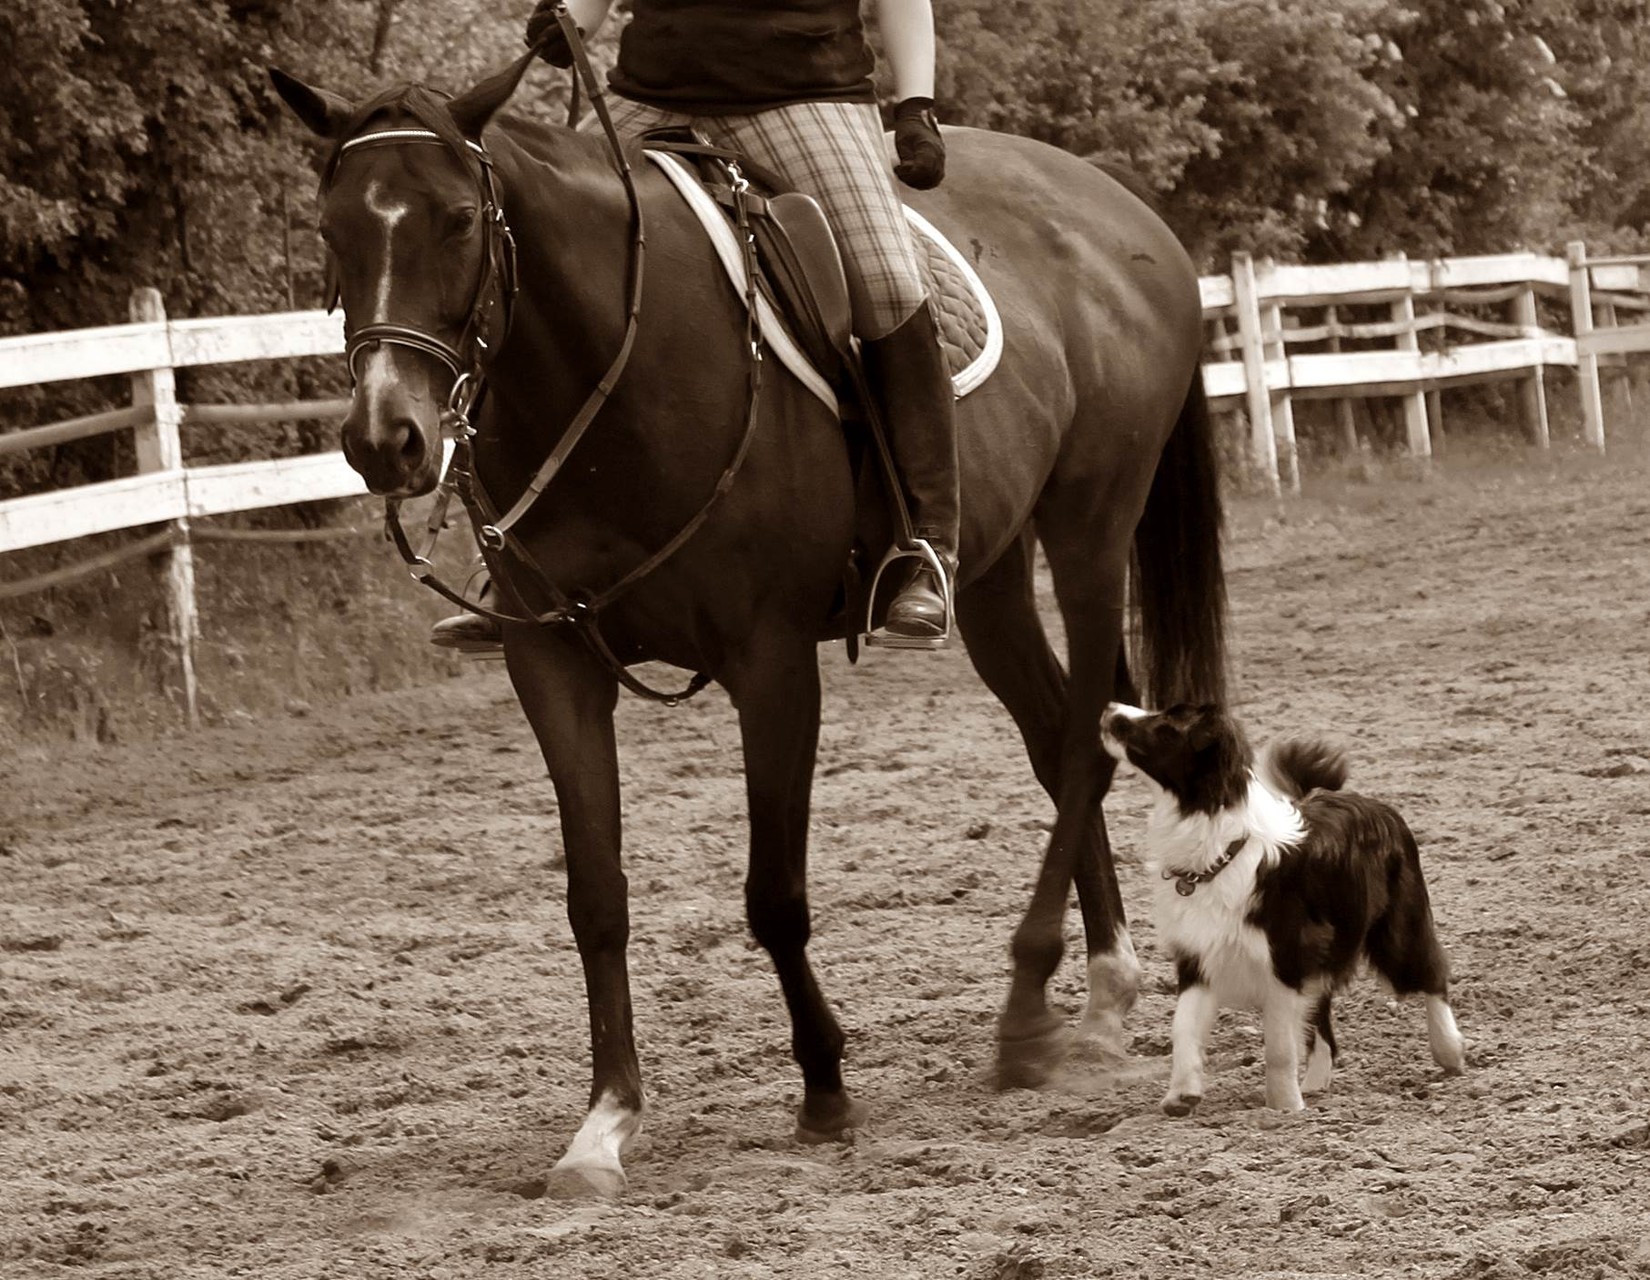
{"x":1283,"y":407}
{"x":1263,"y":445}
{"x":1620,"y":381}
{"x":1343,"y":407}
{"x":1415,"y":403}
{"x":1533,"y":390}
{"x":1581,"y":324}
{"x":160,"y":448}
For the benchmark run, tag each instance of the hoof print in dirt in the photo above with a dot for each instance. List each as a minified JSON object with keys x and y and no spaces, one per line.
{"x":330,"y":1178}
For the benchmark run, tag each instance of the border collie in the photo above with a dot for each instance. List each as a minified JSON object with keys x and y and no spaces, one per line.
{"x":1274,"y":885}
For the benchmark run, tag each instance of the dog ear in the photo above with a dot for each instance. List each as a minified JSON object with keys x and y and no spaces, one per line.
{"x":1207,"y":728}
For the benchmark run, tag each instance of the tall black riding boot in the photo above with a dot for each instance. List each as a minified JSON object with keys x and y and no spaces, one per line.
{"x":907,"y":373}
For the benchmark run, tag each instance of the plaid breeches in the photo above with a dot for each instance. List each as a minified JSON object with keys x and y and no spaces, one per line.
{"x":834,"y":152}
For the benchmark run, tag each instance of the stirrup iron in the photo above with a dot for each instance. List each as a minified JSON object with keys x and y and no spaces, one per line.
{"x":922,"y":550}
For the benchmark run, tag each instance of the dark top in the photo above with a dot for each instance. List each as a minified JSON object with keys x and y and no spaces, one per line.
{"x":730,"y":57}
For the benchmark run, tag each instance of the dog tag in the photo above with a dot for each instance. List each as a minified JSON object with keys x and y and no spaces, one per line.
{"x":1185,"y":886}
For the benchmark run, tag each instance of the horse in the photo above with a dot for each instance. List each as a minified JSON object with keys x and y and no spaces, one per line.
{"x":1092,"y":439}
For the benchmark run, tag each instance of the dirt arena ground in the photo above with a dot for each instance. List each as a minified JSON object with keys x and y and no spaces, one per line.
{"x":298,"y":998}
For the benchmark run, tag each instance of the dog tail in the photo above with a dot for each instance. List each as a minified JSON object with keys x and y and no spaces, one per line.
{"x":1294,"y":766}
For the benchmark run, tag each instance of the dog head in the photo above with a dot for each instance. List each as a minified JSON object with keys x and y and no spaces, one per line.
{"x":1196,"y":755}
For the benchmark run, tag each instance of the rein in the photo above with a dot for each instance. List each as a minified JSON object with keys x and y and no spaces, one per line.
{"x":494,"y":530}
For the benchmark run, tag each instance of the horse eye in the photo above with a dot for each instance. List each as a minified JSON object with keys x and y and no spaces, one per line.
{"x":461,"y":221}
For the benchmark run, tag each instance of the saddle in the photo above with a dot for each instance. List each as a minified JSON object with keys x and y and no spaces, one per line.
{"x":800,"y":270}
{"x":799,"y":267}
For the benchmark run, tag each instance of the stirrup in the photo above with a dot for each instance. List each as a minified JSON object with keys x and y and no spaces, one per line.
{"x":469,"y":636}
{"x":921,"y":550}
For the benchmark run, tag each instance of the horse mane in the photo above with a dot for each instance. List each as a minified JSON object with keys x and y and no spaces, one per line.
{"x":426,"y":105}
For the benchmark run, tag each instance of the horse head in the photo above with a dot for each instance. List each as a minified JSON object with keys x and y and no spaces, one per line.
{"x":421,"y":259}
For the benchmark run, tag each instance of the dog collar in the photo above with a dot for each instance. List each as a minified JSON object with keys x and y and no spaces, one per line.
{"x":1186,"y":882}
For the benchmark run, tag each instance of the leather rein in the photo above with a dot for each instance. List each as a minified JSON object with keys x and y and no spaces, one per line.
{"x":468,"y":358}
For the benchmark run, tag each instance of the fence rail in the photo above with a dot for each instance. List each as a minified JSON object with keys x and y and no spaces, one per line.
{"x":1259,"y":317}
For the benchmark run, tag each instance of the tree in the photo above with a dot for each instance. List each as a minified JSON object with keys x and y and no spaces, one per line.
{"x":1484,"y":155}
{"x":1249,"y":115}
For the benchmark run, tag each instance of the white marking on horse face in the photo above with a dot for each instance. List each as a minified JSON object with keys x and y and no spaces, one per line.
{"x":377,"y":374}
{"x":391,"y":212}
{"x":602,"y":1138}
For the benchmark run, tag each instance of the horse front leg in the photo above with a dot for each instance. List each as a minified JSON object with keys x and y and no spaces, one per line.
{"x":776,"y":691}
{"x":569,"y":699}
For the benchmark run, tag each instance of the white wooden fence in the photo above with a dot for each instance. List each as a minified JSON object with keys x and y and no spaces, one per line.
{"x":1433,"y":335}
{"x":1260,"y":317}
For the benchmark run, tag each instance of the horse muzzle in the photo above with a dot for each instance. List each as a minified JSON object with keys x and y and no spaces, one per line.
{"x":396,"y":454}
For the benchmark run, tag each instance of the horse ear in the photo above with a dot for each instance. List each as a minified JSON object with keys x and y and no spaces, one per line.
{"x":473,"y":108}
{"x":325,"y":113}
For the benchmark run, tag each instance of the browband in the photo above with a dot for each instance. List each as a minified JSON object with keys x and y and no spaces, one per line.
{"x":405,"y":135}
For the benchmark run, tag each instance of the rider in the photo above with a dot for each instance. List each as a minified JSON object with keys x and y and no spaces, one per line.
{"x":788,"y":84}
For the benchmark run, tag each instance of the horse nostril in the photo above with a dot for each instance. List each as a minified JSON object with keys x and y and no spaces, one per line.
{"x":407,"y":441}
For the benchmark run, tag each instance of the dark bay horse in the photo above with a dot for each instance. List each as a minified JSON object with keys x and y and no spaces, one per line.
{"x":1091,"y":438}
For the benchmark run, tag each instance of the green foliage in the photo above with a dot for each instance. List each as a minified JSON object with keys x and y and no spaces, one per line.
{"x":1332,"y":129}
{"x":141,"y":144}
{"x":1484,"y":153}
{"x":1598,"y":53}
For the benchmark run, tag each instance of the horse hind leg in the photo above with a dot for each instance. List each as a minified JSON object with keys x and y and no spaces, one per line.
{"x":1010,"y":650}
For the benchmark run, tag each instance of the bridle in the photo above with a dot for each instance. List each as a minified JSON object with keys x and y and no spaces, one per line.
{"x":495,"y":288}
{"x":468,"y":359}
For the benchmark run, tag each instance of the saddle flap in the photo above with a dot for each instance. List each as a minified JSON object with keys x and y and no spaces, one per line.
{"x":806,"y":250}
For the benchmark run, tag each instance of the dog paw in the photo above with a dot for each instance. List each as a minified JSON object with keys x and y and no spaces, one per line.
{"x":1181,"y":1104}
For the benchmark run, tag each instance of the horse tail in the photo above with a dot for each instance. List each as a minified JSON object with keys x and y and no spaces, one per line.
{"x":1179,"y":586}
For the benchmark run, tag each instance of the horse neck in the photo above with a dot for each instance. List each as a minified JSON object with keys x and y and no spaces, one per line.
{"x":573,"y":230}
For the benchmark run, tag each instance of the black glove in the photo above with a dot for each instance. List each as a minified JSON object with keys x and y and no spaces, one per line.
{"x":918,"y":142}
{"x":544,"y":33}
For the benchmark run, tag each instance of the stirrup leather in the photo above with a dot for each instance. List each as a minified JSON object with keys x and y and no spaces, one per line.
{"x":919,"y":549}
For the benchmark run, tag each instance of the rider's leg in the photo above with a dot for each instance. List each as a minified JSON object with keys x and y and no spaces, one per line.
{"x":471,"y":632}
{"x":837,"y":153}
{"x":909,"y":375}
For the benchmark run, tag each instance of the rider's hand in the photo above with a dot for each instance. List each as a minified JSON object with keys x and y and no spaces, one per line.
{"x":918,"y":142}
{"x":545,"y":34}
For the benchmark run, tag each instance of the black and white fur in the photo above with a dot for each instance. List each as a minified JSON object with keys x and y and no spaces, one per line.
{"x":1324,"y":879}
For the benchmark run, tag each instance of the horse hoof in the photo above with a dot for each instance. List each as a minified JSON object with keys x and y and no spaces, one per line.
{"x":1027,"y":1062}
{"x":816,"y":1125}
{"x":590,"y":1184}
{"x":1181,"y":1104}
